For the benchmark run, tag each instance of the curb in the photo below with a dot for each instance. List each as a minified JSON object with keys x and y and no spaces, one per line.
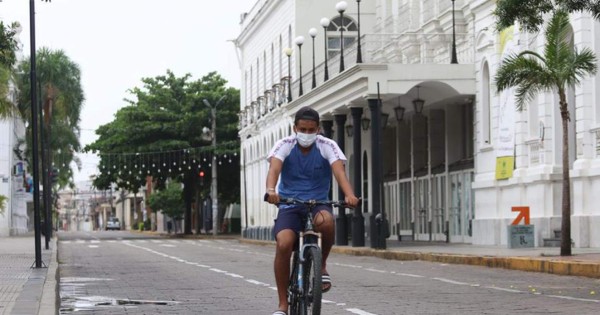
{"x":49,"y":300}
{"x":532,"y":264}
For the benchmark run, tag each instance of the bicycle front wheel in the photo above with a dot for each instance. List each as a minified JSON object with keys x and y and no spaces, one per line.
{"x":312,"y":283}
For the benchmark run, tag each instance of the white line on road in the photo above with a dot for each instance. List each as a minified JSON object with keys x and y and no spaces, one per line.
{"x":505,"y":290}
{"x":234,"y":275}
{"x":93,"y":246}
{"x":455,"y":282}
{"x":358,"y":311}
{"x":573,"y":298}
{"x":409,"y":275}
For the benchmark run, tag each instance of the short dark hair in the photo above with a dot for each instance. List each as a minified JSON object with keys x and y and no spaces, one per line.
{"x":306,"y":113}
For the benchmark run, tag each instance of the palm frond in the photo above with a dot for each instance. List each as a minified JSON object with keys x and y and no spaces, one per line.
{"x":581,"y":64}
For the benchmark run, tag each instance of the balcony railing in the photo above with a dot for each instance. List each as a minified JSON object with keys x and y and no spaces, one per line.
{"x":407,"y":48}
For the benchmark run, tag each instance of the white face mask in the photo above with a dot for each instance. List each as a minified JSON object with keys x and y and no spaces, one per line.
{"x":306,"y":139}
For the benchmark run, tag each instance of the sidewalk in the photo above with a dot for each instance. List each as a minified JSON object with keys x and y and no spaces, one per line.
{"x":24,"y":289}
{"x":584,"y":261}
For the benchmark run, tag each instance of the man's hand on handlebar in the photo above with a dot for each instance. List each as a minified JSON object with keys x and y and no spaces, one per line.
{"x":272,"y":197}
{"x":352,"y":201}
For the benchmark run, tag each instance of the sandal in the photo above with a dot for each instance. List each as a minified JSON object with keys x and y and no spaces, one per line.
{"x":326,"y":281}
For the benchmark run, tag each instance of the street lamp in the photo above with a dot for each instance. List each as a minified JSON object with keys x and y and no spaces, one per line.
{"x":341,"y":7}
{"x":325,"y":24}
{"x":359,"y":50}
{"x":453,"y":59}
{"x":35,"y":140}
{"x":213,"y":185}
{"x":299,"y":41}
{"x":313,"y":33}
{"x":288,"y":52}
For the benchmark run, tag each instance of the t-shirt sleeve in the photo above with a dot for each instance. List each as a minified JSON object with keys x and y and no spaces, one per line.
{"x":330,"y":150}
{"x":282,"y":149}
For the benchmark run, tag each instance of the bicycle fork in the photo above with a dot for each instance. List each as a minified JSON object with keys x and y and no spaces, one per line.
{"x":303,"y":247}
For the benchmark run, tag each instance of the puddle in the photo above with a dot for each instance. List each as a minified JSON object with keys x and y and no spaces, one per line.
{"x":73,"y":297}
{"x":88,"y":303}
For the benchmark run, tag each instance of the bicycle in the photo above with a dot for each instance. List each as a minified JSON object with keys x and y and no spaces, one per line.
{"x":305,"y":287}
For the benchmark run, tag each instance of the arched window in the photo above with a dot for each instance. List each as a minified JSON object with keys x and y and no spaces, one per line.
{"x":333,"y":34}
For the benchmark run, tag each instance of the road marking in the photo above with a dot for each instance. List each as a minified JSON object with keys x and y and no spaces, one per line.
{"x":505,"y":290}
{"x":258,"y":282}
{"x":455,"y":282}
{"x":573,"y":298}
{"x":93,"y":246}
{"x":167,"y":245}
{"x":358,"y":311}
{"x":94,"y":241}
{"x":234,"y":275}
{"x":409,"y":275}
{"x":376,"y":270}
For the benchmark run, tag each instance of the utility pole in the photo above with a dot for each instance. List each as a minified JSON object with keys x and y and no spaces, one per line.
{"x":213,"y":185}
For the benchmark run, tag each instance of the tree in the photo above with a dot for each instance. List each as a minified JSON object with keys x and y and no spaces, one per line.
{"x":8,"y":47}
{"x":163,"y":125}
{"x":169,"y":201}
{"x":530,"y":13}
{"x":559,"y":68}
{"x":61,"y":95}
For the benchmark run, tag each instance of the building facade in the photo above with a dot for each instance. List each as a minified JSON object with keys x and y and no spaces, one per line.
{"x":410,"y":98}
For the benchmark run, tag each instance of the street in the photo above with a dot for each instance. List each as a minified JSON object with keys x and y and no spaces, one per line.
{"x":119,"y":272}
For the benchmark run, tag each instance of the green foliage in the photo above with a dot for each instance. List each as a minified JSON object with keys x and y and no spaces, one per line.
{"x":3,"y":200}
{"x":8,"y":46}
{"x":61,"y":96}
{"x":169,"y":201}
{"x":558,"y":68}
{"x":165,"y":117}
{"x":530,"y":14}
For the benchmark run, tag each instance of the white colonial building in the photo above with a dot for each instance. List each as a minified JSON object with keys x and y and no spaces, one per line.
{"x":440,"y":126}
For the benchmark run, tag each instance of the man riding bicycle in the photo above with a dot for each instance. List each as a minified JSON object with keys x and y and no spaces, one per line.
{"x":305,"y":162}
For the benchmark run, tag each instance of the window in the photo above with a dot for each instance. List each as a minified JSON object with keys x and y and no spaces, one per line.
{"x":333,"y":34}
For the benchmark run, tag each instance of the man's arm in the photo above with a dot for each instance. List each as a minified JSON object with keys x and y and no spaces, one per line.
{"x":339,"y":171}
{"x":275,"y":166}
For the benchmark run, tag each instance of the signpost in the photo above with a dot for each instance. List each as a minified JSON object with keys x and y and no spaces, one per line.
{"x":521,"y":236}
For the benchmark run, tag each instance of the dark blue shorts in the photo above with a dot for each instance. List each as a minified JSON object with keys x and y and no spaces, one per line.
{"x":293,"y":217}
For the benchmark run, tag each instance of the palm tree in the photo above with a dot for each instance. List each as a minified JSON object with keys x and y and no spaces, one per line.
{"x":59,"y":81}
{"x":8,"y":46}
{"x":559,"y":68}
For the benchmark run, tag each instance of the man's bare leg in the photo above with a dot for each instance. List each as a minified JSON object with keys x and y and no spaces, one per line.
{"x":283,"y":253}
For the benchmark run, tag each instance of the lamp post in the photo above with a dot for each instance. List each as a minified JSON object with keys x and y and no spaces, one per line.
{"x":213,"y":185}
{"x":325,"y":24}
{"x":341,"y":7}
{"x":453,"y":58}
{"x":359,"y":49}
{"x":34,"y":131}
{"x":313,"y":33}
{"x":299,"y":41}
{"x":288,"y":52}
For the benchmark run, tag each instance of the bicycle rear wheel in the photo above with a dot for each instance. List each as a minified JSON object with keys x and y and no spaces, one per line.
{"x":312,"y":283}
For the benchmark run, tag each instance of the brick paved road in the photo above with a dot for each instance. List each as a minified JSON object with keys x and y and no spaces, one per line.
{"x":176,"y":276}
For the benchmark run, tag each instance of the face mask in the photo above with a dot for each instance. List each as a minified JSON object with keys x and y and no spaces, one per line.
{"x":306,"y":139}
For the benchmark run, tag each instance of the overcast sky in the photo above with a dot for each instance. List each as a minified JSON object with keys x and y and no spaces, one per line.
{"x":118,"y":42}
